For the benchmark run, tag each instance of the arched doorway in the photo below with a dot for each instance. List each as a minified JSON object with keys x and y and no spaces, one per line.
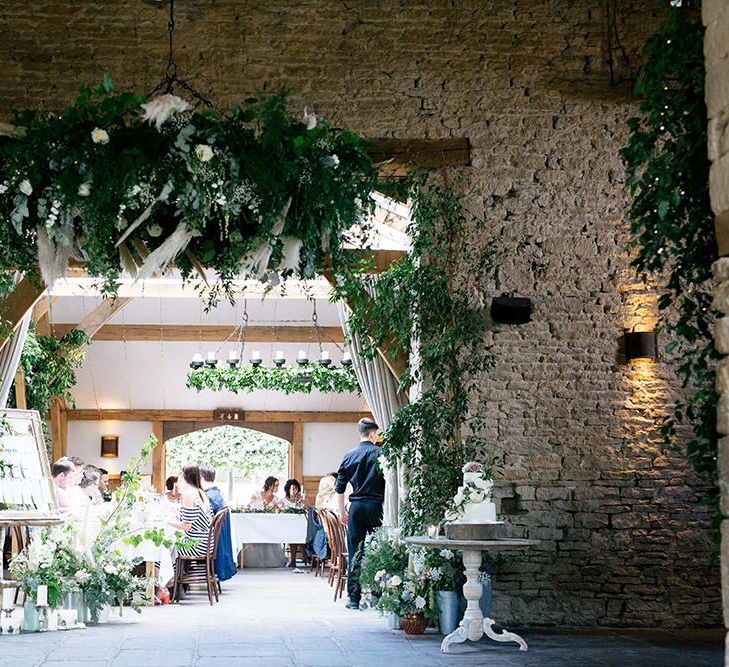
{"x":243,"y":457}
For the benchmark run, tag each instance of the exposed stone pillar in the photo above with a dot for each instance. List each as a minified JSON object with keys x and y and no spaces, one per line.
{"x":716,"y":51}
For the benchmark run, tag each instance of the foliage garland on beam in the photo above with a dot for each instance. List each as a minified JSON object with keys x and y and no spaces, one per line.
{"x":117,"y":182}
{"x":286,"y":379}
{"x":671,"y":219}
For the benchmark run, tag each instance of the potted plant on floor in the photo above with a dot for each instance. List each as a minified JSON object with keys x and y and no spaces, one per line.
{"x":385,"y":560}
{"x":443,"y":568}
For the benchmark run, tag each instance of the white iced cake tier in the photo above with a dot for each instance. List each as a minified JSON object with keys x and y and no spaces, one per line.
{"x":479,"y":513}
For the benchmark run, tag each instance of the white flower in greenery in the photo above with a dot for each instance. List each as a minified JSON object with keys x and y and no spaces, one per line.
{"x":110,"y":569}
{"x":82,"y":575}
{"x":155,"y":231}
{"x":446,"y":553}
{"x":394,"y":581}
{"x":158,"y":110}
{"x":379,"y":574}
{"x":25,"y":187}
{"x":3,"y":188}
{"x":84,"y":190}
{"x":310,"y":120}
{"x":676,"y":3}
{"x":420,"y":602}
{"x":331,"y":161}
{"x":204,"y":152}
{"x":99,"y":136}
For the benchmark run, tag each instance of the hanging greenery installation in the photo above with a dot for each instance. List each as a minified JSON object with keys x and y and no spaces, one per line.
{"x":286,"y":379}
{"x":118,"y":183}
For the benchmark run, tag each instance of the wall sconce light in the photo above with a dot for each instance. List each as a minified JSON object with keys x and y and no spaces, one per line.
{"x":109,"y":446}
{"x":640,"y":345}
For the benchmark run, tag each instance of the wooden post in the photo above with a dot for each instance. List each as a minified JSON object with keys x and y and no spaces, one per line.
{"x":159,"y":458}
{"x":296,"y":457}
{"x":59,"y":428}
{"x":20,"y":401}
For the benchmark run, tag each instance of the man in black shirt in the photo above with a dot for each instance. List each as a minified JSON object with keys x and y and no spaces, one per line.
{"x":361,"y":469}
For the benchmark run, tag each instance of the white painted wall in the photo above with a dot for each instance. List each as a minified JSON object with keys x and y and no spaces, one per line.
{"x":325,"y":444}
{"x":84,"y":440}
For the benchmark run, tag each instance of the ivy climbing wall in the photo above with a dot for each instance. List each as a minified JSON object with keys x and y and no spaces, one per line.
{"x":624,"y":538}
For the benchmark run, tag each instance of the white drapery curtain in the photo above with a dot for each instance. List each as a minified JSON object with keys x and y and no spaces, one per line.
{"x":380,"y":390}
{"x":10,"y":358}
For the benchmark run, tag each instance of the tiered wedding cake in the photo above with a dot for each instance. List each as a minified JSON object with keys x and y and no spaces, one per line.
{"x":472,"y":503}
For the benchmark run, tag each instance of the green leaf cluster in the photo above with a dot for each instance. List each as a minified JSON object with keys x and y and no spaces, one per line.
{"x":81,"y":177}
{"x":672,"y":228}
{"x":287,"y":379}
{"x":50,"y":367}
{"x":250,"y":453}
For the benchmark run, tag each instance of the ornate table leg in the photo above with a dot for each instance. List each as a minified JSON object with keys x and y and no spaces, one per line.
{"x":503,"y":636}
{"x":472,"y":624}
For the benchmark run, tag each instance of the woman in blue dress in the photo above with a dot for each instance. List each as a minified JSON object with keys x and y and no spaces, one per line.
{"x":224,"y":561}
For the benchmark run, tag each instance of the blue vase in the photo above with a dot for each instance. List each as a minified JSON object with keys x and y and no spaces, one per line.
{"x":448,"y":617}
{"x":30,"y":617}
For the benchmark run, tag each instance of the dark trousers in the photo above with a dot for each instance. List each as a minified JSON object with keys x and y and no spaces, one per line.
{"x":364,"y":517}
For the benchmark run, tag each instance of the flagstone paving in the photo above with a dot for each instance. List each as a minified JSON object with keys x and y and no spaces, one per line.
{"x":275,"y":618}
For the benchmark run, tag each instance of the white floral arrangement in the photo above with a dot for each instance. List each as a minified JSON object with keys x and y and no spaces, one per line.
{"x":477,"y":485}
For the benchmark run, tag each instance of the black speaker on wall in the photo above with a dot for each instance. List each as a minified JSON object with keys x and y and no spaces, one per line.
{"x":511,"y":310}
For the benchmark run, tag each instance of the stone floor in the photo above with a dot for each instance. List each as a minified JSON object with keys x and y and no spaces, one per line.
{"x":274,"y":618}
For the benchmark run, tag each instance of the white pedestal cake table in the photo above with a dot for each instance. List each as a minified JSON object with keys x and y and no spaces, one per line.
{"x":474,"y":625}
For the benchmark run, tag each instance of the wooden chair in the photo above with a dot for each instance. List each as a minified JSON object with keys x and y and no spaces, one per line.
{"x":201,"y":569}
{"x":328,"y":519}
{"x":339,"y":557}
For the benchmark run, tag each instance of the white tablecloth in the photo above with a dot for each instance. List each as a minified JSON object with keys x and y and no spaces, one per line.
{"x":252,"y":528}
{"x":149,"y":552}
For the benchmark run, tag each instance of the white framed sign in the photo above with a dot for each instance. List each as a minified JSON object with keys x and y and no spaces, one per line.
{"x":27,"y":495}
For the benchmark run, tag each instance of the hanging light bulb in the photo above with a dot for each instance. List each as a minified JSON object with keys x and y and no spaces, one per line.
{"x":212,"y":360}
{"x":302,"y":359}
{"x":346,"y":359}
{"x":279,"y":359}
{"x":197,"y":361}
{"x":256,"y":358}
{"x":325,"y":360}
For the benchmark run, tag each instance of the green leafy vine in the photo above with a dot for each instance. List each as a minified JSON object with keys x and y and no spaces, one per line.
{"x":671,"y":220}
{"x":432,"y":295}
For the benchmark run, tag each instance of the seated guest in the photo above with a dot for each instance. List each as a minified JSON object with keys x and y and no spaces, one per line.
{"x":266,"y":498}
{"x":104,"y":490}
{"x":293,"y":499}
{"x":196,"y":515}
{"x":292,"y":495}
{"x":63,"y":472}
{"x":224,"y":561}
{"x":326,"y":498}
{"x":89,"y":484}
{"x":172,"y":494}
{"x":77,"y":496}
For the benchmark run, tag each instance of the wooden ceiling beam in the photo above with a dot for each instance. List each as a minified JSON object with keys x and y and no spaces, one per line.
{"x":207,"y":333}
{"x":399,"y":157}
{"x":16,"y":305}
{"x":100,"y":315}
{"x":209,"y":416}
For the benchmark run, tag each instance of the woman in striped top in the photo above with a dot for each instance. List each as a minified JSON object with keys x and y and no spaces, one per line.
{"x":196,"y":515}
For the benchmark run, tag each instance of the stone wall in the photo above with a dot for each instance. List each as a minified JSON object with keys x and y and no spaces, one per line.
{"x":716,"y":51}
{"x":624,"y":539}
